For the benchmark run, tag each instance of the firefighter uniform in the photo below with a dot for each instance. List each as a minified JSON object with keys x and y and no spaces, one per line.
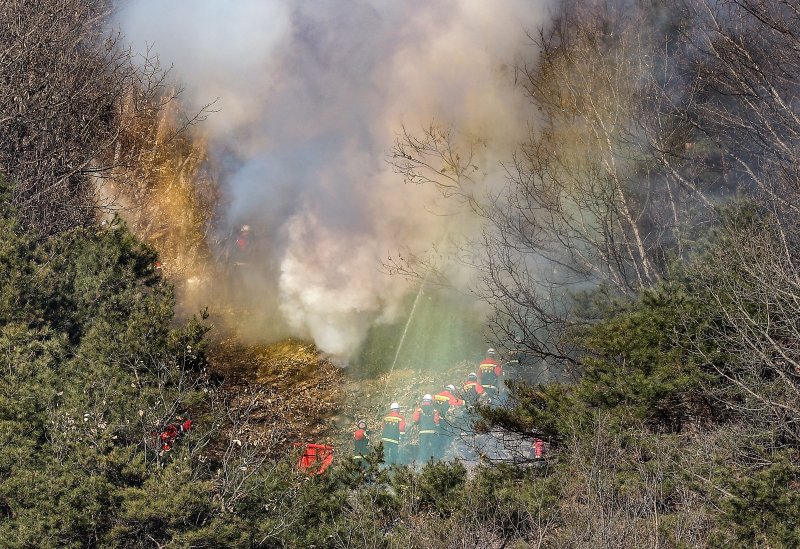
{"x":170,"y":434}
{"x":444,"y":400}
{"x":490,"y":373}
{"x":472,"y":392}
{"x":361,"y":443}
{"x":427,"y":418}
{"x":394,"y":426}
{"x":450,"y":409}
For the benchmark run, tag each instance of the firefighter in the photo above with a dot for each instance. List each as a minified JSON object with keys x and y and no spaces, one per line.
{"x":239,"y":257}
{"x":450,"y":409}
{"x":167,"y":437}
{"x":490,"y":373}
{"x":537,"y":451}
{"x":241,"y":246}
{"x":473,"y":390}
{"x":444,"y":400}
{"x":171,"y":433}
{"x":426,"y":417}
{"x":394,"y":427}
{"x":361,"y":443}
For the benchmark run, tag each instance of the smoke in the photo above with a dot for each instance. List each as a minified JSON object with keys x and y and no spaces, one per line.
{"x":310,"y":96}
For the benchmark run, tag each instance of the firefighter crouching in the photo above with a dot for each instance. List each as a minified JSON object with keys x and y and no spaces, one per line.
{"x":394,"y":427}
{"x":361,"y":443}
{"x":171,"y":433}
{"x":426,"y":417}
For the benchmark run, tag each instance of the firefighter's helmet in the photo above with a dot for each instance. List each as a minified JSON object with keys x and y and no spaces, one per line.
{"x":245,"y":228}
{"x":451,"y":388}
{"x":394,"y":406}
{"x":427,"y":398}
{"x":362,"y":424}
{"x":472,"y":376}
{"x":491,"y":351}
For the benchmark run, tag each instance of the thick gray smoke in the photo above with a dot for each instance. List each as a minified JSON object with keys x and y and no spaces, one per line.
{"x":311,"y":95}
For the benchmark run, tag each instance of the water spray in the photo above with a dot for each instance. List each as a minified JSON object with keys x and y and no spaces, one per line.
{"x":405,"y":329}
{"x":411,"y":316}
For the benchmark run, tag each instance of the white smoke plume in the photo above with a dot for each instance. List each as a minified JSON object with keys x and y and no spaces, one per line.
{"x":311,"y":95}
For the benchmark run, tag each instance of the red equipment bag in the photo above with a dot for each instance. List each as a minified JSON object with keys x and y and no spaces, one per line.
{"x":316,"y":458}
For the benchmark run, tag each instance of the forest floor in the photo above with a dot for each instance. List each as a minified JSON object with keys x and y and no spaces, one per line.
{"x":291,"y":394}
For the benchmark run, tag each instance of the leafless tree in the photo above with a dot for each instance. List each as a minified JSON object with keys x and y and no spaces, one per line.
{"x":67,"y":89}
{"x":482,"y":522}
{"x":621,"y":494}
{"x":743,"y":54}
{"x":601,"y":191}
{"x":753,"y":289}
{"x":649,"y":122}
{"x":746,"y":74}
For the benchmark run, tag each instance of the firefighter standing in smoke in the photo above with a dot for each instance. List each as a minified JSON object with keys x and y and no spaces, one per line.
{"x":426,"y":417}
{"x":242,"y":246}
{"x":240,"y":253}
{"x":449,"y":407}
{"x":490,"y":373}
{"x":473,"y":390}
{"x":394,"y":427}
